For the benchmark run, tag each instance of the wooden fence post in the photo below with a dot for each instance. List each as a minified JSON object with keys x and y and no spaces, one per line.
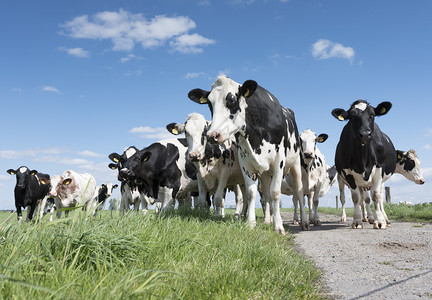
{"x":387,"y":194}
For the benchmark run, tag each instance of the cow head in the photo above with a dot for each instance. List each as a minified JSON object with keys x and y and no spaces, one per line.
{"x":362,"y":115}
{"x":195,"y":129}
{"x":55,"y":179}
{"x":109,"y":188}
{"x":121,"y":162}
{"x":408,"y":164}
{"x":309,"y":140}
{"x":23,"y":176}
{"x":227,"y":101}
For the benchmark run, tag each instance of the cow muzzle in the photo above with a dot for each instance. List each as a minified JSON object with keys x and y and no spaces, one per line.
{"x":365,"y":136}
{"x":214,"y":137}
{"x":308,"y":155}
{"x":420,"y":181}
{"x":195,"y":156}
{"x":125,"y":173}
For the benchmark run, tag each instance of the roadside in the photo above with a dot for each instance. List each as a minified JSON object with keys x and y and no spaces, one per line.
{"x":394,"y":263}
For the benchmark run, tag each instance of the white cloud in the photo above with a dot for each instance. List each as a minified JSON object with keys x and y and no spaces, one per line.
{"x":427,"y":172}
{"x":191,"y":75}
{"x":127,"y":58}
{"x":125,"y":30}
{"x":78,"y":52}
{"x":427,"y":147}
{"x":50,"y":89}
{"x":188,"y":43}
{"x":147,"y":132}
{"x":90,"y":153}
{"x":325,"y":49}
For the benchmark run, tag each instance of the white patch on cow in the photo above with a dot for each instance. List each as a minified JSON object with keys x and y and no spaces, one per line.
{"x":271,"y":98}
{"x":23,"y":169}
{"x":129,"y":152}
{"x":361,"y":106}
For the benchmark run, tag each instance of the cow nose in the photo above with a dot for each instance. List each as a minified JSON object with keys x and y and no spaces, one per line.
{"x":308,"y":155}
{"x":421,"y":181}
{"x":20,"y":186}
{"x":194,"y":156}
{"x":125,"y":172}
{"x":214,"y":137}
{"x":365,"y":135}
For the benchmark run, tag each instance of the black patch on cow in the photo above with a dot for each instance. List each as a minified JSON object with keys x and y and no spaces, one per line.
{"x":281,"y":164}
{"x":183,"y":141}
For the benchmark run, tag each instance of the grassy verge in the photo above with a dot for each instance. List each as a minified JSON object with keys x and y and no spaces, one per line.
{"x":181,"y":255}
{"x":401,"y":212}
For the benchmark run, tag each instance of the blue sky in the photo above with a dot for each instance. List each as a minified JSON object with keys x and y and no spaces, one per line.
{"x":82,"y":79}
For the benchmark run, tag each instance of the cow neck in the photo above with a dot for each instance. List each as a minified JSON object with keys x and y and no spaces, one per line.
{"x":367,"y":159}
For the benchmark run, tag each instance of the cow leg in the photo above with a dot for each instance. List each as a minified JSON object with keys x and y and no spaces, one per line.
{"x":295,"y":204}
{"x":310,"y":205}
{"x":366,"y":207}
{"x":315,"y":195}
{"x":19,"y":213}
{"x":239,"y":201}
{"x":265,"y":197}
{"x":342,"y":199}
{"x":251,"y":191}
{"x":377,"y":197}
{"x":144,"y":203}
{"x":42,"y":207}
{"x":356,"y":198}
{"x":275,"y":193}
{"x":298,"y":194}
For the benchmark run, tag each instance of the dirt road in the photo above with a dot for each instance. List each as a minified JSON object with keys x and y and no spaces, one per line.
{"x":394,"y":263}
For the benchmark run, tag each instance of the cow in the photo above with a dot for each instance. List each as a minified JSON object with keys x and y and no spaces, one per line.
{"x":74,"y":189}
{"x":49,"y":203}
{"x":408,"y":165}
{"x":102,"y":193}
{"x":31,"y":187}
{"x":130,"y":195}
{"x":217,"y":165}
{"x":365,"y":157}
{"x":161,"y":171}
{"x":267,"y":137}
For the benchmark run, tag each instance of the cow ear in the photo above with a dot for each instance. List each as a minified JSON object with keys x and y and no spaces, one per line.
{"x":321,"y":138}
{"x":103,"y":185}
{"x":67,"y":181}
{"x":175,"y":128}
{"x":115,"y":186}
{"x":146,"y":156}
{"x":199,"y":96}
{"x":12,"y":172}
{"x":115,"y":157}
{"x":113,"y":166}
{"x":382,"y":108}
{"x":44,"y":181}
{"x":400,"y":155}
{"x":340,"y":114}
{"x":248,"y":88}
{"x":33,"y":172}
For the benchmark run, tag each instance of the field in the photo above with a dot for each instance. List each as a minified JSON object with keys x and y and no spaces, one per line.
{"x":180,"y":255}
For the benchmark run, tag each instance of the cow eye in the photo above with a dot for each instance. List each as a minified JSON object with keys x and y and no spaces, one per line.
{"x":230,"y":97}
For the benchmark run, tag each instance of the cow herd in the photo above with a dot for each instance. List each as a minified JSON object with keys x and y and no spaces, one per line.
{"x":252,"y":145}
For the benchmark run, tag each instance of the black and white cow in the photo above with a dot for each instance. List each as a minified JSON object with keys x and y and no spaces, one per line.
{"x":102,"y":193}
{"x":31,"y":187}
{"x":267,"y":137}
{"x":130,"y":195}
{"x":365,"y":157}
{"x":217,"y":165}
{"x":408,"y":165}
{"x":161,"y":171}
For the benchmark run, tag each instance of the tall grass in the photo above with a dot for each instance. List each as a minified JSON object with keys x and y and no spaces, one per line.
{"x":180,"y":255}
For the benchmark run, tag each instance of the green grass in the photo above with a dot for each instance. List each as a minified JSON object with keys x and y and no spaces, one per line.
{"x":181,"y":255}
{"x":415,"y":213}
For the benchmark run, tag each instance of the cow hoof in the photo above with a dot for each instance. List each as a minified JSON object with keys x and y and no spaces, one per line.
{"x":280,"y":231}
{"x":306,"y":227}
{"x":267,"y":222}
{"x":343,"y":220}
{"x":236,"y":216}
{"x":295,"y":222}
{"x":380,"y":225}
{"x":317,"y":223}
{"x":357,"y":225}
{"x":371,"y":220}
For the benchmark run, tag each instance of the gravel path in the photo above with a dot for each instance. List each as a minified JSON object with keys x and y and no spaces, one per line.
{"x":394,"y":263}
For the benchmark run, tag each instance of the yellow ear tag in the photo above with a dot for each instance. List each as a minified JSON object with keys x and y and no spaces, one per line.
{"x":340,"y":118}
{"x":12,"y":173}
{"x":67,"y":182}
{"x":203,"y":100}
{"x":146,"y":159}
{"x":399,"y":156}
{"x":113,"y":168}
{"x":175,"y":131}
{"x":247,"y":93}
{"x":320,"y":140}
{"x":115,"y":160}
{"x":383,"y":110}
